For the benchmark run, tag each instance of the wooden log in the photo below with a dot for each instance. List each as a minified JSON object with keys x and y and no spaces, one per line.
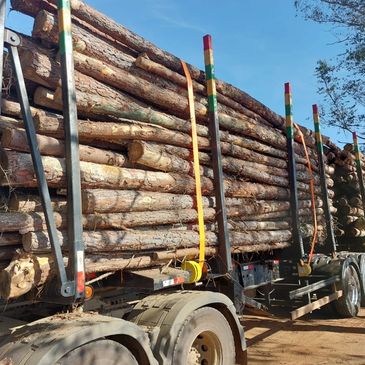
{"x":8,"y":252}
{"x":107,"y":241}
{"x":131,"y":130}
{"x":46,"y":98}
{"x":354,"y":232}
{"x":258,"y":226}
{"x":122,"y":221}
{"x":13,"y":222}
{"x":10,"y":239}
{"x":159,"y":158}
{"x":32,"y":203}
{"x":151,"y":67}
{"x":18,"y":171}
{"x":359,"y":223}
{"x":108,"y":26}
{"x":244,"y":125}
{"x":16,"y":139}
{"x":172,"y":98}
{"x":354,"y":211}
{"x":356,"y":202}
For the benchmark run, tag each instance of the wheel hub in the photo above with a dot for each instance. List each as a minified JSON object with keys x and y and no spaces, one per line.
{"x":206,"y":350}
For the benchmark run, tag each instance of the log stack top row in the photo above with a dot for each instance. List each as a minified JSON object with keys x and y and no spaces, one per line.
{"x":138,"y":185}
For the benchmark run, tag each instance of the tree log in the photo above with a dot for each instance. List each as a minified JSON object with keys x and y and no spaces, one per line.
{"x":10,"y":239}
{"x":32,"y":203}
{"x":107,"y":241}
{"x":19,"y":171}
{"x":16,"y":139}
{"x":159,"y":158}
{"x":236,"y":146}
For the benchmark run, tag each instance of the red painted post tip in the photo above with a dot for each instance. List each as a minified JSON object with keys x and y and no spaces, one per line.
{"x":315,"y":108}
{"x":354,"y":135}
{"x":287,"y":88}
{"x":207,"y":39}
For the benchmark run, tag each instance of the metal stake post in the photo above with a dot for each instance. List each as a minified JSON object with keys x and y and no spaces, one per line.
{"x":297,"y":237}
{"x":76,"y":247}
{"x":224,"y":247}
{"x":11,"y":41}
{"x":322,"y":173}
{"x":359,"y":168}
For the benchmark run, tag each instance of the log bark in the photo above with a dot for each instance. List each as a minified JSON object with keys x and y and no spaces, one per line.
{"x":163,"y":158}
{"x":19,"y":172}
{"x":16,"y":139}
{"x":236,"y":146}
{"x":132,"y":241}
{"x":10,"y":239}
{"x":32,"y":203}
{"x":123,"y":221}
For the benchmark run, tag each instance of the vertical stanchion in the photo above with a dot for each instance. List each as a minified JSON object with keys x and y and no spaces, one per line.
{"x":74,"y":219}
{"x":297,"y":237}
{"x":2,"y":33}
{"x":359,"y":168}
{"x":329,"y":223}
{"x":224,"y":247}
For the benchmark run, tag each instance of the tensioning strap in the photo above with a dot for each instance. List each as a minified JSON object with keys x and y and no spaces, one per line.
{"x":194,"y":137}
{"x":313,"y":198}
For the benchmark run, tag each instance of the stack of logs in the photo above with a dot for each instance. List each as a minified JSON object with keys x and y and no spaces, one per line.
{"x":350,"y":213}
{"x":137,"y":178}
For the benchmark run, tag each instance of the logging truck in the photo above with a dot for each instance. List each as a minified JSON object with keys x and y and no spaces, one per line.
{"x":251,"y":190}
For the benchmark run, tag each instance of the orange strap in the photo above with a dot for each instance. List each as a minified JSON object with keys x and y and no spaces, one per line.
{"x":313,"y":199}
{"x":194,"y":137}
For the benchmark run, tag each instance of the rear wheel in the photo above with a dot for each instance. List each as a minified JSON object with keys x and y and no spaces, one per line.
{"x":205,"y":338}
{"x":362,"y":278}
{"x":349,"y":304}
{"x":102,"y":352}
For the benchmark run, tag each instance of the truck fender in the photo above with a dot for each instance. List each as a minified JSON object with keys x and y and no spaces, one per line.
{"x":163,"y":315}
{"x":46,"y":341}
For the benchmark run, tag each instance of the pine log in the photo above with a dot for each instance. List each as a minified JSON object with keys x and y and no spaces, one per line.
{"x":10,"y":239}
{"x":354,"y":232}
{"x":171,"y":98}
{"x":117,"y":31}
{"x":32,"y":203}
{"x":122,"y":221}
{"x":46,"y":98}
{"x":156,"y":156}
{"x":236,"y":146}
{"x":129,"y":106}
{"x":258,"y":226}
{"x":14,"y":222}
{"x":18,"y":168}
{"x":107,"y":241}
{"x":356,"y":202}
{"x":8,"y":252}
{"x":359,"y":212}
{"x":16,"y":139}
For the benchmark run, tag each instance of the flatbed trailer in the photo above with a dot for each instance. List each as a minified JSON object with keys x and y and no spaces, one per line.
{"x":153,"y":317}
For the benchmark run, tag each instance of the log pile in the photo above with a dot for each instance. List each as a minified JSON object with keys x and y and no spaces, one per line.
{"x":350,"y":209}
{"x":137,"y":177}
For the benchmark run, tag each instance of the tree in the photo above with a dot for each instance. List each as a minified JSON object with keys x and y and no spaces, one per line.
{"x":341,"y":81}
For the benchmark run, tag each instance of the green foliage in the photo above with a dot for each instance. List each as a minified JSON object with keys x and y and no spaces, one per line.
{"x":341,"y":81}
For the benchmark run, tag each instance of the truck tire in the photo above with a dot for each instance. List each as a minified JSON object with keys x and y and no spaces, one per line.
{"x":205,"y":338}
{"x":350,"y":302}
{"x":101,"y":352}
{"x":362,"y":278}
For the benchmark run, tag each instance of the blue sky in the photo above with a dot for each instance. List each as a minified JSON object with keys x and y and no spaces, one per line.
{"x":258,"y":44}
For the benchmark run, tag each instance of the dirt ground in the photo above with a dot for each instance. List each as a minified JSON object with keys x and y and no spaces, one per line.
{"x":316,"y":340}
